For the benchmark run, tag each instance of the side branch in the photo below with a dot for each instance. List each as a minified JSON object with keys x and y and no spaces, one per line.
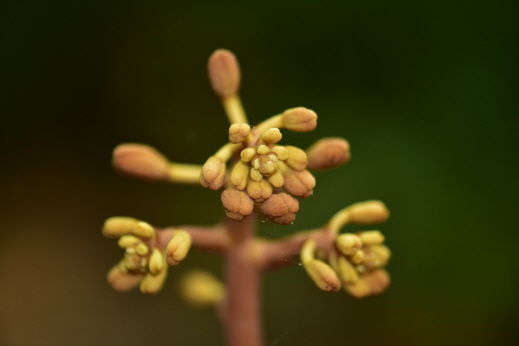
{"x":206,"y":238}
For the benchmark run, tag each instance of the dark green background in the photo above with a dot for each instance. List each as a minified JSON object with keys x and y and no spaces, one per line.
{"x":424,"y":91}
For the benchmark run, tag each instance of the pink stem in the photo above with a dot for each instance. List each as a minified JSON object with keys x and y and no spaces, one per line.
{"x":242,"y":305}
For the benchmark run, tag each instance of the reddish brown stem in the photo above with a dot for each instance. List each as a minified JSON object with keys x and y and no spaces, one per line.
{"x":242,"y":313}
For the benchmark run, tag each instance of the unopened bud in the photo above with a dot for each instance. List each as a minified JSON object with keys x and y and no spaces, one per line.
{"x":281,"y":208}
{"x":152,"y":284}
{"x":371,"y":237}
{"x":359,"y":289}
{"x":128,"y":240}
{"x":224,"y":73}
{"x":297,"y":158}
{"x":378,"y":280}
{"x":299,"y":119}
{"x":368,"y":212}
{"x":118,"y":226}
{"x":237,"y":204}
{"x":140,"y":161}
{"x":346,"y":271}
{"x":281,"y":152}
{"x":348,"y":244}
{"x":276,"y":179}
{"x":199,"y":288}
{"x":271,"y":136}
{"x":178,"y":247}
{"x":299,"y":184}
{"x":328,"y":153}
{"x":157,"y":261}
{"x":121,"y":280}
{"x":144,"y":230}
{"x":259,"y":191}
{"x":238,"y":132}
{"x":323,"y":275}
{"x":213,"y":173}
{"x":240,"y":175}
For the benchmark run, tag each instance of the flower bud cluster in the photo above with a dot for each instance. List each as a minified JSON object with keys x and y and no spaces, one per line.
{"x":356,"y":263}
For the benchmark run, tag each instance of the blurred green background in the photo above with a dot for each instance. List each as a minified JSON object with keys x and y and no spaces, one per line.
{"x":424,"y":91}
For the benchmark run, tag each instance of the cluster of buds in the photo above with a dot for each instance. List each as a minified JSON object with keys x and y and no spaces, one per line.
{"x":356,"y":261}
{"x":144,"y":260}
{"x":263,"y":172}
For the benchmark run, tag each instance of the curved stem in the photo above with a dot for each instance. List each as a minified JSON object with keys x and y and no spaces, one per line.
{"x":242,"y":305}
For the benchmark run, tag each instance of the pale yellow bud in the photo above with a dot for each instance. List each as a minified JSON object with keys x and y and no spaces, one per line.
{"x":140,"y":161}
{"x":328,"y":153}
{"x":128,"y":240}
{"x":238,"y":132}
{"x":117,"y":226}
{"x":178,"y":247}
{"x":200,"y":289}
{"x":347,"y":272}
{"x":259,"y":191}
{"x":281,"y":152}
{"x":152,"y":284}
{"x":142,"y":249}
{"x":299,"y":184}
{"x":237,"y":204}
{"x":382,"y":252}
{"x":263,"y":150}
{"x":276,"y":179}
{"x":256,"y":175}
{"x":271,"y":136}
{"x":359,"y":289}
{"x":247,"y":154}
{"x":322,"y":275}
{"x":371,"y":237}
{"x":157,"y":261}
{"x":213,"y":173}
{"x":297,"y":158}
{"x":240,"y":175}
{"x":281,"y":208}
{"x":358,"y":257}
{"x":368,"y":212}
{"x":144,"y":230}
{"x":224,"y":73}
{"x":348,"y":244}
{"x":299,"y":119}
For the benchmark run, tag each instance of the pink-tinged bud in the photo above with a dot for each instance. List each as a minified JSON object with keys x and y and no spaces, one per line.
{"x":328,"y":153}
{"x":140,"y":161}
{"x":377,"y":280}
{"x":281,"y":208}
{"x":237,"y":204}
{"x":238,"y":132}
{"x":299,"y":184}
{"x":297,"y":158}
{"x":259,"y":191}
{"x":213,"y":173}
{"x":299,"y":119}
{"x":366,"y":213}
{"x":122,"y":281}
{"x":224,"y":73}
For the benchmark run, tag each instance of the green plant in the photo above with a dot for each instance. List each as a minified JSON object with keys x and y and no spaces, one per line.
{"x":257,"y":175}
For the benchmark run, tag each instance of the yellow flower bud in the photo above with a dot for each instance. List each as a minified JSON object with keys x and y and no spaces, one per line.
{"x":271,"y":136}
{"x":200,"y":288}
{"x":299,"y":119}
{"x":152,"y":284}
{"x":371,"y":237}
{"x":323,"y":275}
{"x":237,"y":204}
{"x":118,"y":225}
{"x":346,"y":271}
{"x":348,"y":244}
{"x":213,"y":173}
{"x":297,"y":158}
{"x":178,"y":247}
{"x":368,"y":212}
{"x":238,"y":132}
{"x":240,"y":175}
{"x":259,"y":191}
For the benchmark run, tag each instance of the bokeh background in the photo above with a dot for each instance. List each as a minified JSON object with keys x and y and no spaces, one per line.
{"x":426,"y":93}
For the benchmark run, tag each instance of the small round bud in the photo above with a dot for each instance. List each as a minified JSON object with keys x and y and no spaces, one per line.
{"x":140,"y":161}
{"x":369,"y":212}
{"x":328,"y":153}
{"x":271,"y":136}
{"x":297,"y":158}
{"x":224,"y":73}
{"x":238,"y":132}
{"x":237,"y":204}
{"x":281,"y":208}
{"x":213,"y":173}
{"x":299,"y":184}
{"x":299,"y":119}
{"x":247,"y":154}
{"x":263,"y":150}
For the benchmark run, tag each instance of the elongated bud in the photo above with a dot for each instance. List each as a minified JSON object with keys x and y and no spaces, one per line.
{"x":299,"y":119}
{"x":128,"y":240}
{"x":240,"y":175}
{"x":152,"y":284}
{"x":213,"y":173}
{"x":346,"y":271}
{"x":157,"y":261}
{"x":238,"y":132}
{"x":348,"y":244}
{"x":118,"y":226}
{"x":297,"y":158}
{"x":371,"y":238}
{"x":200,"y":288}
{"x":178,"y":247}
{"x":328,"y":153}
{"x":299,"y":184}
{"x":144,"y":230}
{"x":237,"y":204}
{"x":281,"y":208}
{"x":323,"y":275}
{"x":140,"y":161}
{"x":368,"y":212}
{"x":224,"y":73}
